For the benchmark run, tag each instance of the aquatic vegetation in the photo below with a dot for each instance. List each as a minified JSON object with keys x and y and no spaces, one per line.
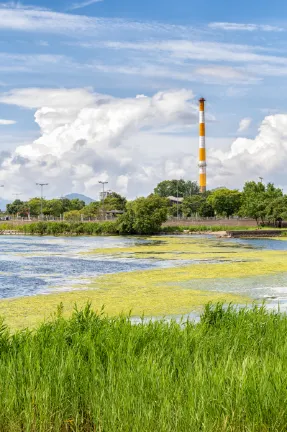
{"x":143,"y":293}
{"x":160,"y":291}
{"x":194,"y":248}
{"x":93,"y":373}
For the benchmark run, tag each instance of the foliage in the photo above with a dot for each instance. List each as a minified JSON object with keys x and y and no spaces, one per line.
{"x":174,"y":210}
{"x":15,"y":207}
{"x":144,"y":216}
{"x":206,"y":210}
{"x":91,"y":372}
{"x":225,"y":202}
{"x":91,"y":210}
{"x":115,"y":201}
{"x":69,"y":228}
{"x":203,"y":228}
{"x":259,"y":202}
{"x":55,"y":207}
{"x":170,"y":188}
{"x":73,"y":216}
{"x":277,"y":209}
{"x":192,"y":204}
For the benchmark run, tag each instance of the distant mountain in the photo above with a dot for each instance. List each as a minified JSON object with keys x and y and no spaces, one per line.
{"x":3,"y":204}
{"x":84,"y":198}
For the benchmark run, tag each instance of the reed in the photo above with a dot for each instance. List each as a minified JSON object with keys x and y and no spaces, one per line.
{"x":93,"y":373}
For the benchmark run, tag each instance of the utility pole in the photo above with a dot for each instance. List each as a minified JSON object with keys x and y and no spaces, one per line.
{"x":103,"y":197}
{"x":41,"y":186}
{"x":177,"y":200}
{"x":16,"y":195}
{"x":261,"y":179}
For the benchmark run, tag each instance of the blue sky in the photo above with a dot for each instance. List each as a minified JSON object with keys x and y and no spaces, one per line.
{"x":235,"y":56}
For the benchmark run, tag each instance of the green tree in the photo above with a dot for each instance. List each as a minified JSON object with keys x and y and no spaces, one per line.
{"x":257,"y":200}
{"x":253,"y":197}
{"x":35,"y":206}
{"x":225,"y":202}
{"x":206,"y":210}
{"x":53,"y":207}
{"x":15,"y":208}
{"x":144,"y":215}
{"x":277,"y":209}
{"x":115,"y":201}
{"x":77,"y":204}
{"x":92,"y":210}
{"x":175,"y":210}
{"x":73,"y":216}
{"x":191,"y":205}
{"x":168,"y":188}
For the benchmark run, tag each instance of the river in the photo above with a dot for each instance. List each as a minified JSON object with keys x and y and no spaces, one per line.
{"x":40,"y":265}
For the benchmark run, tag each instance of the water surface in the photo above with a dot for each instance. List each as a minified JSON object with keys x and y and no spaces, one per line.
{"x":38,"y":265}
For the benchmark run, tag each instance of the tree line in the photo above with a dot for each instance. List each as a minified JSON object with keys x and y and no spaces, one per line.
{"x":68,"y":209}
{"x":263,"y":203}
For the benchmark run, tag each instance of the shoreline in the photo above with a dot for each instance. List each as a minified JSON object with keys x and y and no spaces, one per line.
{"x":219,"y":234}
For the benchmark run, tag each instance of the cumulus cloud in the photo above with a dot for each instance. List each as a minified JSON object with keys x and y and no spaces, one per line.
{"x":250,"y":158}
{"x":83,"y":137}
{"x":87,"y":137}
{"x":6,"y":122}
{"x":244,"y":124}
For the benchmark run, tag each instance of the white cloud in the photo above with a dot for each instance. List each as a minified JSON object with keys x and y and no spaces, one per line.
{"x":245,"y":27}
{"x":7,"y":122}
{"x":202,"y":50}
{"x":250,"y":158}
{"x":35,"y":19}
{"x":147,"y":70}
{"x":84,"y":4}
{"x":86,"y":137}
{"x":244,"y":124}
{"x":83,"y":139}
{"x":224,"y":73}
{"x":73,"y":99}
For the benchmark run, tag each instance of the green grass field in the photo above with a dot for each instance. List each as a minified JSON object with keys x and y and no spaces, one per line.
{"x":93,"y":373}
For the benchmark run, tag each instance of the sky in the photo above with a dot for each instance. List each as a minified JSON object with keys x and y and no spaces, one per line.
{"x":108,"y":91}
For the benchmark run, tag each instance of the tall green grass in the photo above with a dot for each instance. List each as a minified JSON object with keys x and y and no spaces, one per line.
{"x":92,"y":373}
{"x":211,"y":228}
{"x":100,"y":228}
{"x":66,"y":228}
{"x":204,"y":228}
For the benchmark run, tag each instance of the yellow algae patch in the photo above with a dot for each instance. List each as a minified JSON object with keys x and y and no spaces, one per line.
{"x":191,"y":248}
{"x":144,"y":299}
{"x":179,"y":248}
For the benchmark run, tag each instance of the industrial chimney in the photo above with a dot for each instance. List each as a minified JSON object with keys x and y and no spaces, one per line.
{"x":202,"y":153}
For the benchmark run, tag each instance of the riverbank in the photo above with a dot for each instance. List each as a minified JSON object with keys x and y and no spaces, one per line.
{"x":227,"y":373}
{"x":111,"y":228}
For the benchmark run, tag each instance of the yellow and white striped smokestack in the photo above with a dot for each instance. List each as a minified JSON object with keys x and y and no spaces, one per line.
{"x":202,"y":152}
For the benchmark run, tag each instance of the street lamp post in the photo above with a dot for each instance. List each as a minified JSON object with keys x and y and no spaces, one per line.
{"x":41,"y":186}
{"x":1,"y":186}
{"x":16,"y":195}
{"x":177,"y":200}
{"x":103,"y":198}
